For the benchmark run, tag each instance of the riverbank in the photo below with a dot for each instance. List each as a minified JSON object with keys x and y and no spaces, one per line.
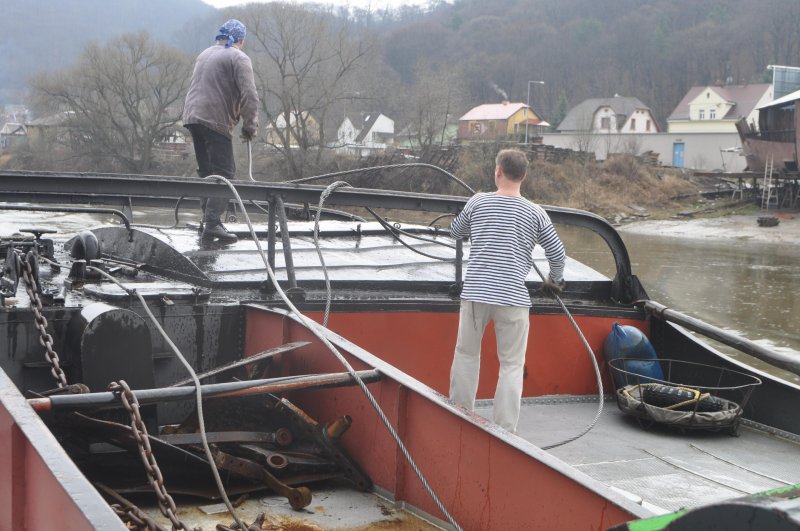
{"x":742,"y":227}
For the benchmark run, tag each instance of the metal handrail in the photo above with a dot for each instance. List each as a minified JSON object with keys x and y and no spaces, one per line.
{"x":108,"y":188}
{"x":65,"y":209}
{"x":785,"y":361}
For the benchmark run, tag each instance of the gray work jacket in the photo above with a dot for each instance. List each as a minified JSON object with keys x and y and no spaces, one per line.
{"x":222,"y":91}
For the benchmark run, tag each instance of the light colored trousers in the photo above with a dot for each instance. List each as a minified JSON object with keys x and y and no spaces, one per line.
{"x":511,"y":324}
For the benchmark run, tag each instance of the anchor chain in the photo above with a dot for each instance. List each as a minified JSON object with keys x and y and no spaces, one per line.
{"x":135,"y":519}
{"x":165,"y":502}
{"x":45,"y":339}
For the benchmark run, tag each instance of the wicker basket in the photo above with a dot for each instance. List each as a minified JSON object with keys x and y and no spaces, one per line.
{"x":706,"y":397}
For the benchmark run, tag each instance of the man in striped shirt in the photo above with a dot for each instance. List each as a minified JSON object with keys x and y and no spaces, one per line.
{"x":503,"y":228}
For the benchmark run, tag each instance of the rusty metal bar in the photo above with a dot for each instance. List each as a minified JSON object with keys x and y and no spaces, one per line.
{"x":36,"y":475}
{"x":110,"y":400}
{"x":180,"y":439}
{"x":245,"y":361}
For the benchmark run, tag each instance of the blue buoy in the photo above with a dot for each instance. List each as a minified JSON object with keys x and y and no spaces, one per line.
{"x":628,"y":342}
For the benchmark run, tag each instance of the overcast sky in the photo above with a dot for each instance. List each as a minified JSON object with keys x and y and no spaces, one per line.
{"x":374,"y":4}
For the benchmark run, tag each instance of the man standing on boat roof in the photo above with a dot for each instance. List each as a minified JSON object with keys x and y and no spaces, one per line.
{"x":222,"y":91}
{"x":503,"y":228}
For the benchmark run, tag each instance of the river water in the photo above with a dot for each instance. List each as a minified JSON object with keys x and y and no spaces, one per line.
{"x":750,"y":289}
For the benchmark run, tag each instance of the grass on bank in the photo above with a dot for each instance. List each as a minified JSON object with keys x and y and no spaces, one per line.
{"x":621,"y":188}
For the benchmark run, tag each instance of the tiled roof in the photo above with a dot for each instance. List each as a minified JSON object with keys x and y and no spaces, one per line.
{"x":493,"y":111}
{"x":59,"y":118}
{"x":11,"y":128}
{"x":621,"y":105}
{"x":744,"y":98}
{"x":367,"y":123}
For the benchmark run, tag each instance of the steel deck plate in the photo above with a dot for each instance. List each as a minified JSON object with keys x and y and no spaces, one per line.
{"x":666,"y":468}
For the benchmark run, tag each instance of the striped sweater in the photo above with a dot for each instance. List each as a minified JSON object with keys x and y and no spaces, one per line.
{"x":503,"y":231}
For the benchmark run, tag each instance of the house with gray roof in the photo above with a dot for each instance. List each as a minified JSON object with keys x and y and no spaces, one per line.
{"x":619,"y":114}
{"x":52,"y":132}
{"x":365,"y":133}
{"x":717,"y":108}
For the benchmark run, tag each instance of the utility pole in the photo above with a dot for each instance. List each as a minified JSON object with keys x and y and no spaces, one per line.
{"x":528,"y":107}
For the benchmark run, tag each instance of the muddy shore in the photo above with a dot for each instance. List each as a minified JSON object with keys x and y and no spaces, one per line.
{"x":740,"y":227}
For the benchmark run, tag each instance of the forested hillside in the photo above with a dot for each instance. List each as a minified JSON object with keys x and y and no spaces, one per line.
{"x":652,"y":49}
{"x":50,"y":34}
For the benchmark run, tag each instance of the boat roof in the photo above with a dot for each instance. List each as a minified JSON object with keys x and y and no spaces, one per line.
{"x":361,"y":261}
{"x":789,"y":98}
{"x":351,"y":252}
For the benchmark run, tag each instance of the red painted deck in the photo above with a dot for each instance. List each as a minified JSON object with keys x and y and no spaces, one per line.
{"x":487,"y":478}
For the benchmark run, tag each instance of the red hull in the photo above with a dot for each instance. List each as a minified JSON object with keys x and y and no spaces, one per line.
{"x":487,"y":477}
{"x":40,"y":487}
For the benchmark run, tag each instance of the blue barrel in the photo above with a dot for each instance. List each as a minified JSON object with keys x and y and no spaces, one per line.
{"x":629,"y":342}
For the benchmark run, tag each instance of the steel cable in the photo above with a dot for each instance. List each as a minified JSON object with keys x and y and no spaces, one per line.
{"x":396,"y":231}
{"x":324,"y":195}
{"x":249,"y":162}
{"x":192,"y":374}
{"x":313,"y":327}
{"x":386,"y":167}
{"x":198,"y":392}
{"x":596,"y":372}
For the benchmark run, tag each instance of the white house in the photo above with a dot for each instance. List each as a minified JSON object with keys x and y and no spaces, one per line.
{"x":717,"y":108}
{"x":364,"y":133}
{"x":12,"y":134}
{"x":610,"y":115}
{"x":303,"y":129}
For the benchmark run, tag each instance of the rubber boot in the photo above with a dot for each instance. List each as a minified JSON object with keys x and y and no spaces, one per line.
{"x":219,"y":232}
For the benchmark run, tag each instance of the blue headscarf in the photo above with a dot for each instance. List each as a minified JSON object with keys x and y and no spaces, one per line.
{"x":232,"y":31}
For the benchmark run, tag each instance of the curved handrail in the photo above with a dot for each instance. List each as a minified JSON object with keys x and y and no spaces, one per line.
{"x":62,"y":186}
{"x":384,"y":167}
{"x":625,"y":286}
{"x":83,"y":210}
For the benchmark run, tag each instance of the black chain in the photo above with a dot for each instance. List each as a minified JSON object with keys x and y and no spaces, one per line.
{"x":139,"y":430}
{"x":45,"y":339}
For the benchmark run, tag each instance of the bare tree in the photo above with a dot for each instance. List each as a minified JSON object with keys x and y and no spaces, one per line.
{"x":437,"y":96}
{"x":120,"y":99}
{"x":303,"y":60}
{"x":585,"y":139}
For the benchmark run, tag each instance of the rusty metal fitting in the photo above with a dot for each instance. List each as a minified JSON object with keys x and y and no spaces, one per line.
{"x":336,"y":428}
